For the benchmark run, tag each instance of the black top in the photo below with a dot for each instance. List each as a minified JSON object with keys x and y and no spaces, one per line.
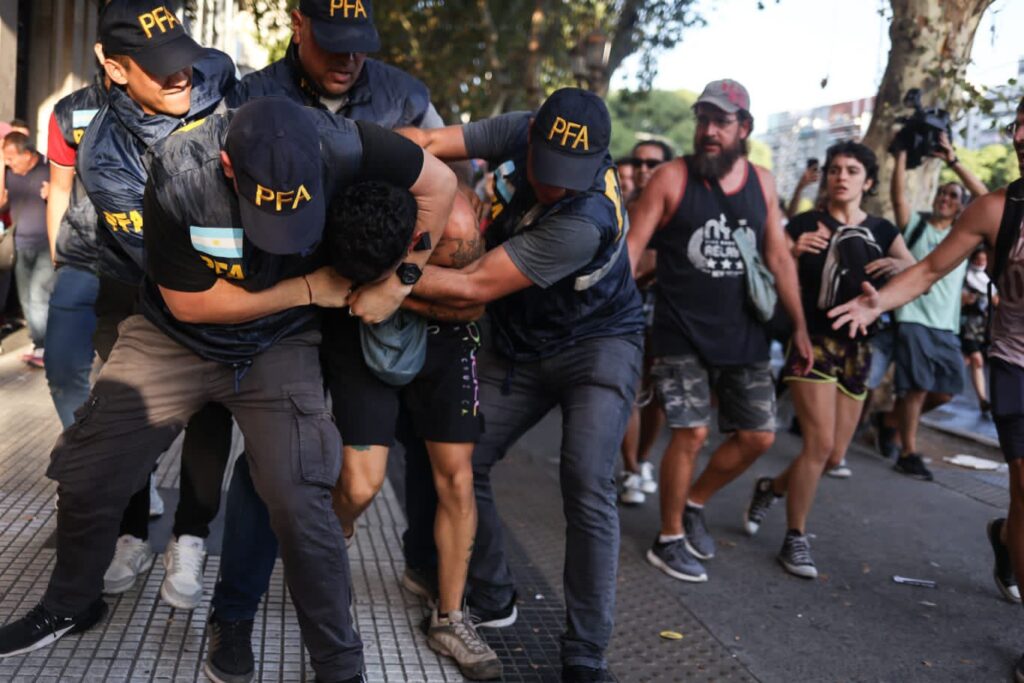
{"x":810,"y":266}
{"x":191,"y":244}
{"x":702,"y":306}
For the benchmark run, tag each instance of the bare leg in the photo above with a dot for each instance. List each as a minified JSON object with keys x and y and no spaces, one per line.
{"x":908,"y":414}
{"x":652,"y":421}
{"x":977,"y":366}
{"x":816,"y":408}
{"x":362,"y":475}
{"x":630,"y":442}
{"x":730,"y":460}
{"x":676,"y":474}
{"x":455,"y":522}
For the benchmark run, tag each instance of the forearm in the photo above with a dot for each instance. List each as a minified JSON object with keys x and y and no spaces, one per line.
{"x":56,"y":206}
{"x":970,"y":181}
{"x":908,"y":285}
{"x":794,"y":202}
{"x":897,"y":191}
{"x":441,"y":312}
{"x":229,"y":304}
{"x":447,"y":287}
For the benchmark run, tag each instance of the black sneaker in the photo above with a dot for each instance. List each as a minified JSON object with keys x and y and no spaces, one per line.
{"x":913,"y":466}
{"x":577,"y":673}
{"x":795,"y":556}
{"x":358,"y":678}
{"x":40,"y":628}
{"x":229,"y":658}
{"x":421,"y":583}
{"x":489,"y":618}
{"x":1002,"y":572}
{"x":885,"y":438}
{"x":762,"y":501}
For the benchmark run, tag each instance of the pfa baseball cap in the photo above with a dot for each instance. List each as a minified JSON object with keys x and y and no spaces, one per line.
{"x":342,"y":25}
{"x":728,"y":95}
{"x":570,"y":139}
{"x":274,"y":148}
{"x":150,"y":33}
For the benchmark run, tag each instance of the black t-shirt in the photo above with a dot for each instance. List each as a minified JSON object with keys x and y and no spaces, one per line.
{"x":194,"y":233}
{"x":810,"y":266}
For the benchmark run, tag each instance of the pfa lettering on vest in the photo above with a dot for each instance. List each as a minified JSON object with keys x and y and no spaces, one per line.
{"x":289,"y":199}
{"x":349,"y":9}
{"x":161,"y":19}
{"x":572,"y":134}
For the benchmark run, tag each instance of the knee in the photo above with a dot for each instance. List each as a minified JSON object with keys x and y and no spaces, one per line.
{"x":689,"y":440}
{"x":755,"y":443}
{"x":455,"y":487}
{"x":360,"y":491}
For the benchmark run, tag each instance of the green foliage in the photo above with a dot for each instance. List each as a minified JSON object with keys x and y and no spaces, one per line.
{"x":663,"y":114}
{"x":995,"y":165}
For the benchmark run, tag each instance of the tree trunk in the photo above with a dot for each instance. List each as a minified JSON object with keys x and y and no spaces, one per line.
{"x":931,"y":47}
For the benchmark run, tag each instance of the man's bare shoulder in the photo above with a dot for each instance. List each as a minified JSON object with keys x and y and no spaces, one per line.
{"x":461,"y":243}
{"x":984,"y":214}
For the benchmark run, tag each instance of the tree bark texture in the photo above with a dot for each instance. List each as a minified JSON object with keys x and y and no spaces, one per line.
{"x":931,"y":47}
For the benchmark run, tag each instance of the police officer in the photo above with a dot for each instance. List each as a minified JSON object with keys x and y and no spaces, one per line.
{"x":71,"y":227}
{"x":229,"y":316}
{"x":161,"y":80}
{"x":567,"y":327}
{"x":327,"y":68}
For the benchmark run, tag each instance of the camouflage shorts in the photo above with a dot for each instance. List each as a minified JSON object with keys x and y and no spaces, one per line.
{"x":746,"y":394}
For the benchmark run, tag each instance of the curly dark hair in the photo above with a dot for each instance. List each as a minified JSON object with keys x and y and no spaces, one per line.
{"x":369,"y":229}
{"x":860,"y":152}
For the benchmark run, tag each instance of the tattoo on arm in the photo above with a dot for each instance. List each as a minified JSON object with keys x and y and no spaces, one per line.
{"x":462,"y":252}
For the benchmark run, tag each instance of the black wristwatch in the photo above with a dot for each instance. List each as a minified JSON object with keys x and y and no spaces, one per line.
{"x":408,"y":273}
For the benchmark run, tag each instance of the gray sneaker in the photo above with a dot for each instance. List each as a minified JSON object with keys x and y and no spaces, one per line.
{"x":762,"y":501}
{"x":795,"y":556}
{"x":675,"y":559}
{"x":698,"y":538}
{"x":454,"y":636}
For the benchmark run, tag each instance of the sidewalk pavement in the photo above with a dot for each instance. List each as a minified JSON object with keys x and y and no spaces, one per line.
{"x":750,"y":622}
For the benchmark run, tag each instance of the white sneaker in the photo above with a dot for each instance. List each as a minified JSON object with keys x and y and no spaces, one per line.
{"x":631,"y":493}
{"x":183,"y":586}
{"x":156,"y":502}
{"x":132,"y":557}
{"x":840,"y":471}
{"x":648,"y":484}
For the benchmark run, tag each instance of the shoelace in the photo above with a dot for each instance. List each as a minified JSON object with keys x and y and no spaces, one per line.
{"x":470,"y":638}
{"x":125,"y":550}
{"x":762,"y":501}
{"x":39,"y":618}
{"x":234,"y":636}
{"x":191,"y":561}
{"x":800,"y":550}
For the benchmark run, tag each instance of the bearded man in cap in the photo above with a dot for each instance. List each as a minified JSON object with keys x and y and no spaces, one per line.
{"x":706,"y":335}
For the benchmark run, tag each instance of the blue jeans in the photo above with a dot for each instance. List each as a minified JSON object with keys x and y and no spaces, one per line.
{"x":33,"y":271}
{"x":70,"y":324}
{"x":594,"y":383}
{"x":248,"y":551}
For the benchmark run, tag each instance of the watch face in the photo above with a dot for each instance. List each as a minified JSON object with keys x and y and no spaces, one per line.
{"x":409,"y":273}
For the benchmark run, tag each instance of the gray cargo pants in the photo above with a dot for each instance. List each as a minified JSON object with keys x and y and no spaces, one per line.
{"x":144,"y":396}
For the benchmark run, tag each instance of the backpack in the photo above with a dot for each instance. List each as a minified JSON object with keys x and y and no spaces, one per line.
{"x":852,"y":247}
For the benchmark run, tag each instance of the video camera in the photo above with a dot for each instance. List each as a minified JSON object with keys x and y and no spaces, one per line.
{"x":920,"y":133}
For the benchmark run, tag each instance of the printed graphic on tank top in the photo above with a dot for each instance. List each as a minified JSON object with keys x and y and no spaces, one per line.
{"x":1008,"y":316}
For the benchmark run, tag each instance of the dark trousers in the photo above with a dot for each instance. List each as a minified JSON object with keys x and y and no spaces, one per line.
{"x":206,"y":448}
{"x":594,"y":384}
{"x":70,"y":324}
{"x":146,"y":393}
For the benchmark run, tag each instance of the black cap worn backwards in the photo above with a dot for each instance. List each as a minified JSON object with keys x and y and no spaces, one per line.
{"x":274,"y":148}
{"x":342,"y":25}
{"x":570,"y":138}
{"x":149,"y":33}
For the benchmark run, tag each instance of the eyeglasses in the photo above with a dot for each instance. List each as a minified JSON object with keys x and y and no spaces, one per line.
{"x":951,"y":194}
{"x":704,"y":120}
{"x":1011,"y":128}
{"x":647,"y":163}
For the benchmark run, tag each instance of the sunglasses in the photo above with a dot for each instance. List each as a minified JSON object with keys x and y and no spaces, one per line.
{"x":647,"y":163}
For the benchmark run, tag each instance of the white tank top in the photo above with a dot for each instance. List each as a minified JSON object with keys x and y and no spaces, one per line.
{"x":1008,"y":320}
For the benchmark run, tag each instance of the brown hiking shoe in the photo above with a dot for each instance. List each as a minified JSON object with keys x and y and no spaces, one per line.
{"x":455,"y":637}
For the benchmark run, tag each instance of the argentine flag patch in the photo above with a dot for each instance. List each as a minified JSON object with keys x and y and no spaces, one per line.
{"x":81,"y":118}
{"x":223,"y":243}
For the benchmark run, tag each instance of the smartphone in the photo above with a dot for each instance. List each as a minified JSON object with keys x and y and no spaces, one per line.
{"x":812,"y":162}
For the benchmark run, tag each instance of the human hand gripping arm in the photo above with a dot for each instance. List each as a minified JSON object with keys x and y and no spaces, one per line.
{"x":782,"y":265}
{"x":896,"y":261}
{"x":980,"y":220}
{"x":434,"y":191}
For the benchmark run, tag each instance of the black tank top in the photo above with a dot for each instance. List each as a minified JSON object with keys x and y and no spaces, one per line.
{"x":702,"y":302}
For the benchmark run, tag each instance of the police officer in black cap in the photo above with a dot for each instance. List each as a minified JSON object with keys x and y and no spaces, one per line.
{"x":567,"y":329}
{"x":326,"y":67}
{"x":161,"y":80}
{"x":235,"y":211}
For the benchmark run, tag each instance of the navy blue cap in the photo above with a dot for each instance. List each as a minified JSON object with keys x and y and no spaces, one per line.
{"x":274,"y":148}
{"x":570,"y":138}
{"x":342,"y":25}
{"x":150,"y":33}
